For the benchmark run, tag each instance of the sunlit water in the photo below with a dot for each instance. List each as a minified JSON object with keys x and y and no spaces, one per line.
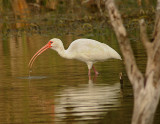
{"x":58,"y":90}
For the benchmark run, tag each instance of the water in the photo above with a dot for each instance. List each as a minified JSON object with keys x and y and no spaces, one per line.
{"x":32,"y":77}
{"x":58,"y":90}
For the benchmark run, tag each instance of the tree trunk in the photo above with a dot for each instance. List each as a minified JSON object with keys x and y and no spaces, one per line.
{"x":145,"y":105}
{"x":146,"y":87}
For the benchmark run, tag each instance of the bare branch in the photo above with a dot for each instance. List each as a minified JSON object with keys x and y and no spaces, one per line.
{"x":157,"y":22}
{"x":146,"y":89}
{"x":116,"y":21}
{"x":156,"y":45}
{"x":98,"y":2}
{"x":147,"y":44}
{"x":156,"y":64}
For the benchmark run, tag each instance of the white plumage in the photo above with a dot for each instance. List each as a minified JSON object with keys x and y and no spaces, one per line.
{"x":89,"y":50}
{"x":86,"y":50}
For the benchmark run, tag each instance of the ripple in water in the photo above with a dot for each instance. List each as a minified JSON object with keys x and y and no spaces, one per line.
{"x":33,"y":77}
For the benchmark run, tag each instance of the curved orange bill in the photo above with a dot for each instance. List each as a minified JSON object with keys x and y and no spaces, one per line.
{"x":37,"y":54}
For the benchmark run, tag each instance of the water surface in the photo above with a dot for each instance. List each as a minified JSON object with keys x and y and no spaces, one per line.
{"x":58,"y":90}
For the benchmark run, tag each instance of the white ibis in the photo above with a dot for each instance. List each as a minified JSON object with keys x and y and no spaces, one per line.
{"x":86,"y":50}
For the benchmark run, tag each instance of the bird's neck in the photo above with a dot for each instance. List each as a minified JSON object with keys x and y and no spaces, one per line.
{"x":63,"y":53}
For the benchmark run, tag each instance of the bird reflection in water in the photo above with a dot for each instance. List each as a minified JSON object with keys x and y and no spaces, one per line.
{"x":86,"y":102}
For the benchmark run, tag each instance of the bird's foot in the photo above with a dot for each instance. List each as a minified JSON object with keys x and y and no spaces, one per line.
{"x":96,"y":73}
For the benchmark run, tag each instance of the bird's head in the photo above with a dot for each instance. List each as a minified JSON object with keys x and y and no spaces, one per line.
{"x":53,"y":43}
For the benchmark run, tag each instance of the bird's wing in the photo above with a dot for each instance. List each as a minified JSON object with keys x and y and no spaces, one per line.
{"x":93,"y":52}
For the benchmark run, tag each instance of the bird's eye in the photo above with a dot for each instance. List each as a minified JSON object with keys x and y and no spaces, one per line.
{"x":51,"y":42}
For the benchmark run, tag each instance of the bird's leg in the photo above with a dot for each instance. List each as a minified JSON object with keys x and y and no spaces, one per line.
{"x":96,"y":72}
{"x":89,"y":74}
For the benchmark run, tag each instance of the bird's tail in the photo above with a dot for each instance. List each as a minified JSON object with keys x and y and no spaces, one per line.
{"x":119,"y":57}
{"x":115,"y":55}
